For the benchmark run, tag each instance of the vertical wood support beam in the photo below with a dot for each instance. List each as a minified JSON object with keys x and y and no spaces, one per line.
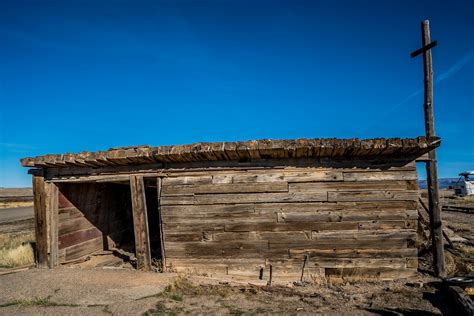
{"x":431,"y":165}
{"x":52,"y":211}
{"x":160,"y":218}
{"x":41,"y":222}
{"x":140,"y":223}
{"x":46,"y":222}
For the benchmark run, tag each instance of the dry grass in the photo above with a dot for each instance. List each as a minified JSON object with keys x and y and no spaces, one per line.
{"x":15,"y":249}
{"x":15,"y":204}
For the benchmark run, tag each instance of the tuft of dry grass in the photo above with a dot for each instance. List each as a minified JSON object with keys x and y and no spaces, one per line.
{"x":15,"y":249}
{"x":15,"y":204}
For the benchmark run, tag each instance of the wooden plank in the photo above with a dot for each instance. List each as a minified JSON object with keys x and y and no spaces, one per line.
{"x":225,"y":188}
{"x":185,"y":226}
{"x":140,"y":223}
{"x":270,"y":236}
{"x":288,"y":176}
{"x":223,"y":209}
{"x":177,"y":200}
{"x":375,"y":195}
{"x":71,"y":213}
{"x":354,"y":253}
{"x":52,"y":205}
{"x":84,"y":248}
{"x":222,"y":178}
{"x":216,"y":218}
{"x":351,"y":206}
{"x":204,"y":179}
{"x":41,"y":221}
{"x":240,"y":198}
{"x":259,"y":198}
{"x":387,"y":225}
{"x":394,"y":263}
{"x":349,"y":215}
{"x":343,"y":243}
{"x":364,"y":235}
{"x":380,"y":175}
{"x":72,"y":225}
{"x":348,"y":186}
{"x":223,"y":249}
{"x":296,"y":226}
{"x":160,"y":224}
{"x":78,"y":237}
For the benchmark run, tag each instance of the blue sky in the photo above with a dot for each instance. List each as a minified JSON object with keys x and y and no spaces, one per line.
{"x":90,"y":75}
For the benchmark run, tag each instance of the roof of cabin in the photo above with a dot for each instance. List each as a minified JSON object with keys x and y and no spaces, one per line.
{"x":247,"y":150}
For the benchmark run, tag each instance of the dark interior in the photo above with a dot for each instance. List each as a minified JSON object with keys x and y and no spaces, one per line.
{"x":153,"y":218}
{"x":108,"y":207}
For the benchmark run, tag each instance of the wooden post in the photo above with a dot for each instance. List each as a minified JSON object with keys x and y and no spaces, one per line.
{"x":140,"y":223}
{"x":52,"y":211}
{"x":160,"y":219}
{"x":431,"y":165}
{"x":46,"y":222}
{"x":41,"y":222}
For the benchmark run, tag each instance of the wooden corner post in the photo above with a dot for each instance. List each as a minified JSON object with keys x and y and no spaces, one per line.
{"x":431,"y":164}
{"x":46,"y":222}
{"x":140,"y":223}
{"x":160,"y":219}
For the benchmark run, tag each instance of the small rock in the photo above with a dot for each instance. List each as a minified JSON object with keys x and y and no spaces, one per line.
{"x":299,"y":283}
{"x":299,"y":309}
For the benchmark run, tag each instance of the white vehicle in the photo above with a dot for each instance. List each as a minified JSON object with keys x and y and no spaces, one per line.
{"x":465,"y":184}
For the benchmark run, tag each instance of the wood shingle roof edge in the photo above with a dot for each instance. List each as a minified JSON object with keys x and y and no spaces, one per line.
{"x":243,"y":151}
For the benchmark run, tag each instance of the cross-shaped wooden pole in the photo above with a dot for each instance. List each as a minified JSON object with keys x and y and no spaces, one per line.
{"x":431,"y":166}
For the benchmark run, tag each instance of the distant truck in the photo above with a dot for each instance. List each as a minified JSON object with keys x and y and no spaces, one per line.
{"x":465,"y":184}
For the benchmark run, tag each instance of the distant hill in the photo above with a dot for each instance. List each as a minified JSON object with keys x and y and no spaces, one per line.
{"x":443,"y":183}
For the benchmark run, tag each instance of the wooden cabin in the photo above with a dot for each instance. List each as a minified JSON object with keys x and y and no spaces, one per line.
{"x":346,"y":206}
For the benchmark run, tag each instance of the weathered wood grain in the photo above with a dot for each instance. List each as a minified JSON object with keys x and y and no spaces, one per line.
{"x":376,"y":195}
{"x":140,"y":223}
{"x":379,"y":175}
{"x":52,"y":210}
{"x":159,"y":187}
{"x":346,"y":215}
{"x":72,"y":225}
{"x":84,"y":248}
{"x":41,"y":222}
{"x":354,"y":253}
{"x":349,"y":243}
{"x":77,"y":237}
{"x":348,"y":186}
{"x":295,"y":226}
{"x":225,"y":188}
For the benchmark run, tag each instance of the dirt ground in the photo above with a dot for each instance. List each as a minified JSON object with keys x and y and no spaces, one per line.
{"x":76,"y":290}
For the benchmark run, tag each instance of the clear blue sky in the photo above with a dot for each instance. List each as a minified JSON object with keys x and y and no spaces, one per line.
{"x":90,"y":75}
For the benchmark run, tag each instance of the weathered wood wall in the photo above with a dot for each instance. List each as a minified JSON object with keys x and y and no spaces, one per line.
{"x":350,"y":220}
{"x":92,"y":217}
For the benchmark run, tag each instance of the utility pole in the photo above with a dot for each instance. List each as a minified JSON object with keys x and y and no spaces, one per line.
{"x":431,"y":166}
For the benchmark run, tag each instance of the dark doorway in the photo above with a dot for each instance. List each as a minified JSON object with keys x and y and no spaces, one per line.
{"x":153,"y":215}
